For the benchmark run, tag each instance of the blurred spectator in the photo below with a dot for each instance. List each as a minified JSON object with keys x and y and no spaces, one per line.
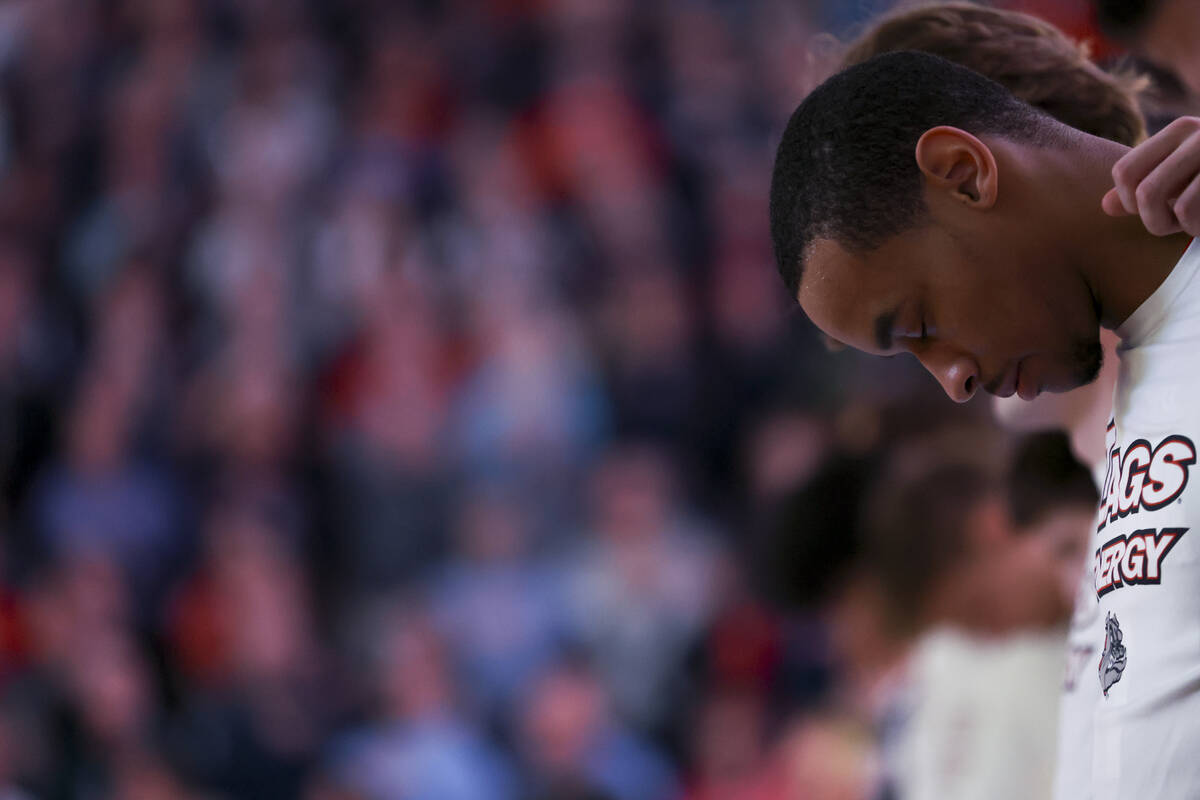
{"x":499,"y":608}
{"x":575,"y":748}
{"x":730,"y":754}
{"x":143,"y":206}
{"x":654,"y":374}
{"x":260,"y":698}
{"x":390,"y":474}
{"x":744,"y":644}
{"x":421,"y":745}
{"x":642,"y":587}
{"x":532,"y":408}
{"x":101,"y":499}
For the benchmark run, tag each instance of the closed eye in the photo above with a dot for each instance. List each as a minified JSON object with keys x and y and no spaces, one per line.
{"x":928,"y":331}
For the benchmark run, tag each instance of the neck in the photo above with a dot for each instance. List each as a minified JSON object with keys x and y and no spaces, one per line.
{"x":1118,"y":259}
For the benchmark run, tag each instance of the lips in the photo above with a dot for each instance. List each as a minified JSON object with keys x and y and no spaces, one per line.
{"x":1007,"y":385}
{"x":1026,"y":387}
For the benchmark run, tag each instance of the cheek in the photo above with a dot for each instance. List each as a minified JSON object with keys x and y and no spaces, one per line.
{"x":983,"y":299}
{"x":1042,"y":317}
{"x":1014,"y":299}
{"x":992,"y":321}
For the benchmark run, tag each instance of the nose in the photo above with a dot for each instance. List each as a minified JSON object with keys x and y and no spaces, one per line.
{"x":957,"y":373}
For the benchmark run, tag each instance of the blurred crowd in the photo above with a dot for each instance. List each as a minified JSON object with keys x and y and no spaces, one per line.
{"x":396,"y":399}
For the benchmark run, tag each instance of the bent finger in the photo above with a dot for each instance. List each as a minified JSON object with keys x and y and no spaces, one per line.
{"x":1156,"y":192}
{"x":1111,"y":203}
{"x":1187,"y":208}
{"x":1133,"y":167}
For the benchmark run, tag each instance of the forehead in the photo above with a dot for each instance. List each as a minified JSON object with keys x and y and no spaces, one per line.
{"x":844,"y":293}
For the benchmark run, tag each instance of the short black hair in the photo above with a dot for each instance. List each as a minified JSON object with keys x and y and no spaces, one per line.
{"x":1044,"y":476}
{"x":1123,"y":20}
{"x":845,"y":168}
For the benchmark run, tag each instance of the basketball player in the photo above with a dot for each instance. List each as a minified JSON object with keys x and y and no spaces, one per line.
{"x":919,"y":207}
{"x":1042,"y":66}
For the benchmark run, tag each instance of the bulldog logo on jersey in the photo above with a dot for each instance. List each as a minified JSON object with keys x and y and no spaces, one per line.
{"x":1112,"y":659}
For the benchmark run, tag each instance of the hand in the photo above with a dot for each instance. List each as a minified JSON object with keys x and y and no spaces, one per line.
{"x":1159,"y":180}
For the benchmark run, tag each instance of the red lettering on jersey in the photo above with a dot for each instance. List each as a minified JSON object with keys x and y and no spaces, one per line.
{"x":1145,"y":478}
{"x":1133,"y":560}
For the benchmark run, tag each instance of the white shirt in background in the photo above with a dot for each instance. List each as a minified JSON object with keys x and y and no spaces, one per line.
{"x":983,"y":721}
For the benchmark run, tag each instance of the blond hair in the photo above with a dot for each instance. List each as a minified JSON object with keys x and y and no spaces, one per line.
{"x":1030,"y":57}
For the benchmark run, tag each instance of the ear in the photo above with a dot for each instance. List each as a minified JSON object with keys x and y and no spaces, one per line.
{"x":954,"y":161}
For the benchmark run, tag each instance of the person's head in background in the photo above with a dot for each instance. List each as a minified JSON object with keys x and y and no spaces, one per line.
{"x":1163,"y":32}
{"x":930,"y":525}
{"x":1052,"y":499}
{"x":811,"y":557}
{"x":1031,"y":58}
{"x":943,"y":538}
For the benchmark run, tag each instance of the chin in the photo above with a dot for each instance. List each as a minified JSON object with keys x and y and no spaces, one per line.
{"x":1087,"y":357}
{"x":1078,"y":369}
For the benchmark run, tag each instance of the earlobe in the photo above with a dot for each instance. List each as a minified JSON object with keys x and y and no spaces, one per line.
{"x":958,"y":163}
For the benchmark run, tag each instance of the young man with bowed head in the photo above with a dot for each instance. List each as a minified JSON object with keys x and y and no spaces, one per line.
{"x":1042,"y":66}
{"x":918,"y":207}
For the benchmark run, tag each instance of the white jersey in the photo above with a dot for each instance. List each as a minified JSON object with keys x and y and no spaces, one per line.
{"x":1146,"y":571}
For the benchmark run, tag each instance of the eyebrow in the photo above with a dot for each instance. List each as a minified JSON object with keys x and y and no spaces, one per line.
{"x":884,"y":324}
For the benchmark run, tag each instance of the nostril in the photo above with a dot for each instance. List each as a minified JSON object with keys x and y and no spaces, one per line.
{"x":970,"y":385}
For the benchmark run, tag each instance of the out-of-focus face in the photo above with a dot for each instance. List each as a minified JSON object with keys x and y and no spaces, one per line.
{"x":983,"y":305}
{"x":1029,"y":575}
{"x":1063,"y":538}
{"x":1169,"y":39}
